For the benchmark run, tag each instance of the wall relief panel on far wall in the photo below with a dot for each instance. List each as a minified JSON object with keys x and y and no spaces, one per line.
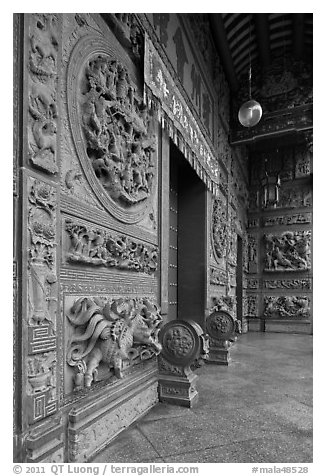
{"x":293,"y":219}
{"x":250,"y":305}
{"x":287,"y":307}
{"x":288,"y":251}
{"x":111,"y":129}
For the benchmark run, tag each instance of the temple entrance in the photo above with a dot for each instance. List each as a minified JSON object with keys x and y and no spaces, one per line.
{"x":187,"y":241}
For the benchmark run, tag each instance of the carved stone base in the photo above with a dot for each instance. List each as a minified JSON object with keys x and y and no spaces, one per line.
{"x":178,"y":390}
{"x":44,"y":444}
{"x":218,"y":355}
{"x":93,"y":424}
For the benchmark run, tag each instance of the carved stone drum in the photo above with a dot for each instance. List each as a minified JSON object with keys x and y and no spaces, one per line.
{"x":221,"y":329}
{"x":183,"y":343}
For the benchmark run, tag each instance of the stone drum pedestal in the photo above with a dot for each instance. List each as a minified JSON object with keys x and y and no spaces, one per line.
{"x":221,"y":328}
{"x":183,"y":344}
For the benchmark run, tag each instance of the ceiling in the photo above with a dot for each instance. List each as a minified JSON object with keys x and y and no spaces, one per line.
{"x":242,"y":39}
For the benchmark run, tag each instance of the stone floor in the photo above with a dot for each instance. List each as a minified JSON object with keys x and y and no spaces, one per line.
{"x":256,"y":410}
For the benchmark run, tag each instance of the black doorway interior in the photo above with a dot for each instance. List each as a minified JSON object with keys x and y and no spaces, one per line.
{"x":187,"y":241}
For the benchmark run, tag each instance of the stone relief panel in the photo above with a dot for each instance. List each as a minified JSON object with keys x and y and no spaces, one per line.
{"x":223,"y":146}
{"x":295,"y":197}
{"x":73,"y":181}
{"x":218,"y":277}
{"x":224,"y":303}
{"x":112,"y":129}
{"x":219,"y":230}
{"x":252,"y":252}
{"x":295,"y":219}
{"x":277,"y":87}
{"x":288,"y":251}
{"x":117,"y":332}
{"x":43,"y":37}
{"x":303,"y":283}
{"x":234,"y":225}
{"x":303,"y":157}
{"x":250,"y":305}
{"x":252,"y":283}
{"x":127,"y":30}
{"x":98,"y":247}
{"x":287,"y":307}
{"x":253,"y":222}
{"x":237,"y":180}
{"x":41,"y":309}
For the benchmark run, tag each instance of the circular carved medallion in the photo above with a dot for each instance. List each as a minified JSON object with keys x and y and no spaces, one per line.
{"x":110,"y":128}
{"x":180,"y":342}
{"x":220,"y":325}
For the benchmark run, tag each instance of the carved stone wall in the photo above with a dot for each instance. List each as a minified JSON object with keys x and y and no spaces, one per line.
{"x":281,"y":277}
{"x":87,"y":204}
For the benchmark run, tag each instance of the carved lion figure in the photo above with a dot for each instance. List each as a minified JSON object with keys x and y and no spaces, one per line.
{"x":117,"y":334}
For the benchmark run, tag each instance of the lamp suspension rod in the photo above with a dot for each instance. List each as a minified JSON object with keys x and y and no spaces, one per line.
{"x":249,"y":50}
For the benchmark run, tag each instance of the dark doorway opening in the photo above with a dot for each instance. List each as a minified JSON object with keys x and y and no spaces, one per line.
{"x":187,"y":241}
{"x":239,"y":278}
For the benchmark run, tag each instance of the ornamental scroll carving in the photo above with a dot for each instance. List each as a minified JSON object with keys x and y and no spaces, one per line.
{"x":118,"y":332}
{"x":111,"y":129}
{"x":297,"y":218}
{"x":42,"y":103}
{"x":289,"y":251}
{"x":288,"y":307}
{"x":305,"y":283}
{"x":97,"y":247}
{"x":219,"y":229}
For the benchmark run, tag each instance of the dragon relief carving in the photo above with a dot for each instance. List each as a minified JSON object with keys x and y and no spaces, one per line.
{"x":43,"y":114}
{"x":219,"y":229}
{"x":115,"y":124}
{"x":99,"y":247}
{"x":289,"y":251}
{"x":120,"y":333}
{"x":286,"y":307}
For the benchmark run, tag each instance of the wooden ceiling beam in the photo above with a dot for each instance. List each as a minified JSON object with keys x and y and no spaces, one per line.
{"x":263,"y":43}
{"x":298,"y":35}
{"x":222,"y":47}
